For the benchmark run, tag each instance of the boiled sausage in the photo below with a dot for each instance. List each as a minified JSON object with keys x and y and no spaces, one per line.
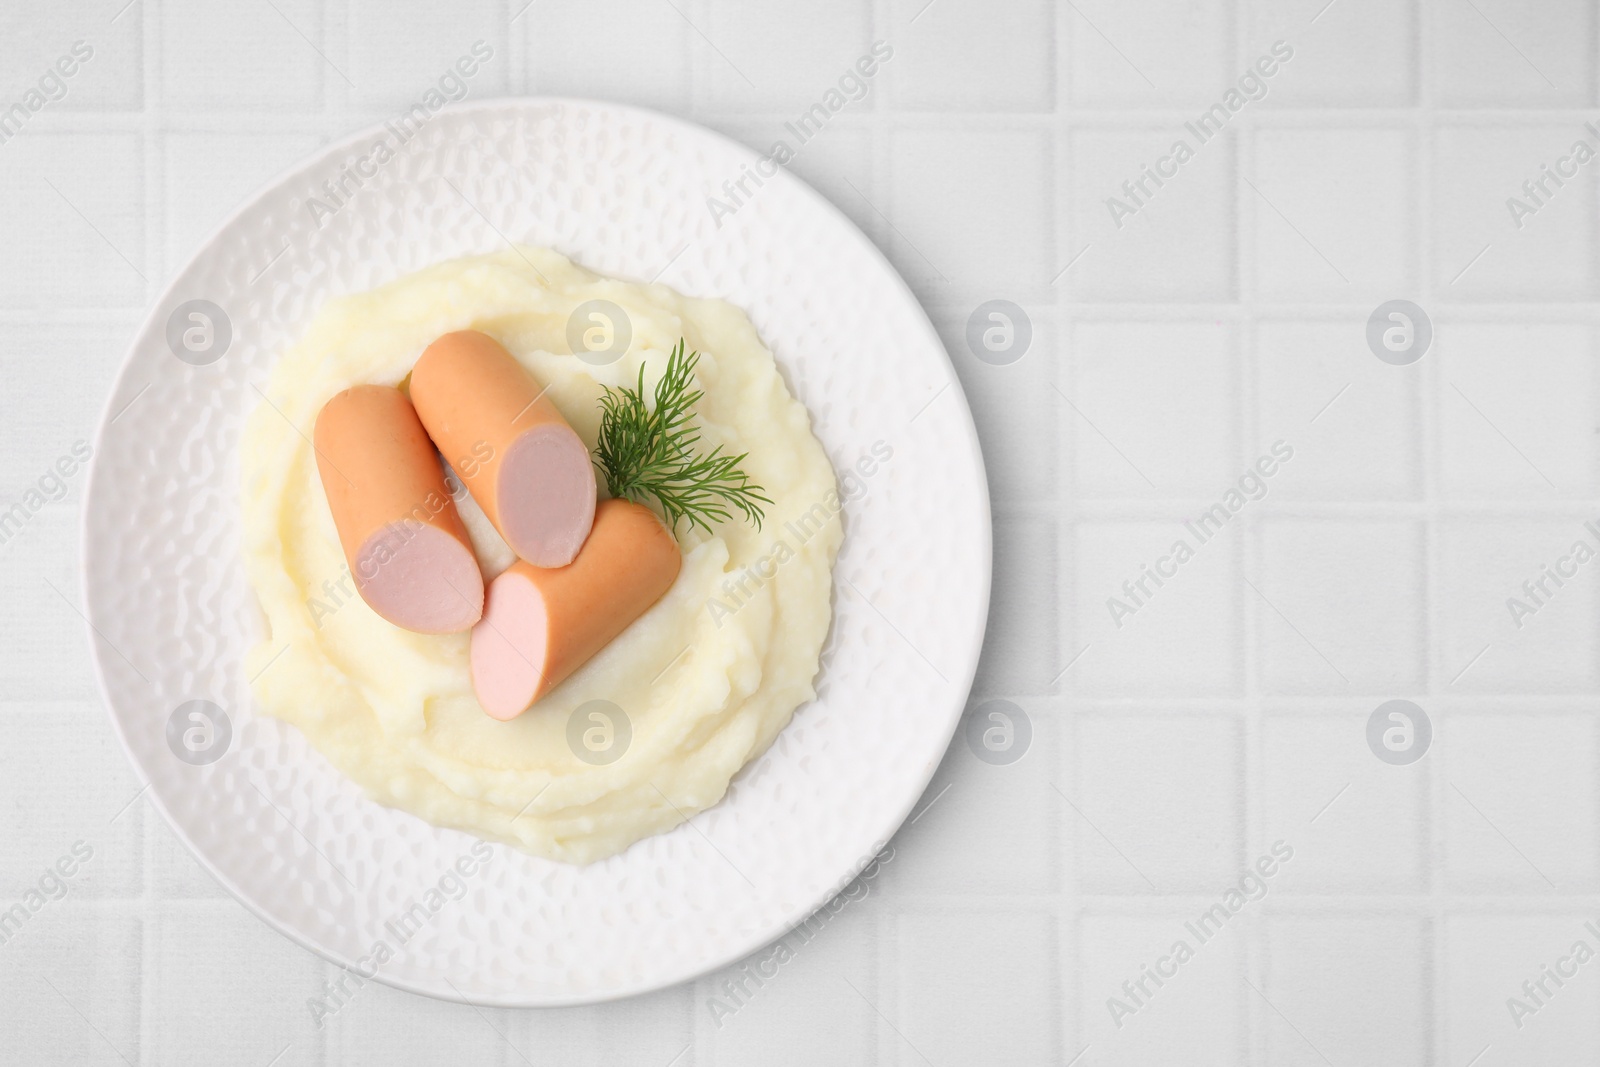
{"x":541,"y":624}
{"x":406,"y":546}
{"x":527,"y":469}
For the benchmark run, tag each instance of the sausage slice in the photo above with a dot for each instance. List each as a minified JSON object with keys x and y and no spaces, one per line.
{"x":406,"y":546}
{"x":539,"y":625}
{"x":523,"y":464}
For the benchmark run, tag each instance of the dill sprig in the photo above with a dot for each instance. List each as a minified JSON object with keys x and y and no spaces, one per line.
{"x":648,"y":452}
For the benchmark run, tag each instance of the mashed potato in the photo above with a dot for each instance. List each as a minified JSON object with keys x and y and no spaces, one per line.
{"x":705,"y":679}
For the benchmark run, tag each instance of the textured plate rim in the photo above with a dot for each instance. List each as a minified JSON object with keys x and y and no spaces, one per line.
{"x":972,"y":645}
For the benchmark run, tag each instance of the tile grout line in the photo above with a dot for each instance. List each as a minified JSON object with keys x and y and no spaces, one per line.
{"x":1066,"y":895}
{"x":1426,"y":412}
{"x":1254,"y":952}
{"x":157,"y":263}
{"x":1068,"y":891}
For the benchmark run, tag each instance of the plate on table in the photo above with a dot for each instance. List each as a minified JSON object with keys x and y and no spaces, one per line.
{"x":624,"y":192}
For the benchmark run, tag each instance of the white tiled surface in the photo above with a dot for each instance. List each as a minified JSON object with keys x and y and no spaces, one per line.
{"x":1227,"y":713}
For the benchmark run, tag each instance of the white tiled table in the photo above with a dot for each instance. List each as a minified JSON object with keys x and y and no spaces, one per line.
{"x":1226,"y":714}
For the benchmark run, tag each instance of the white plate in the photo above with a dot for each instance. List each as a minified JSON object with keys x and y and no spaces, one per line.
{"x":623,"y":192}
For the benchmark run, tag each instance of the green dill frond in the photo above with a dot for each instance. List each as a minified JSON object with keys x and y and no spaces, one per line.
{"x":650,"y":453}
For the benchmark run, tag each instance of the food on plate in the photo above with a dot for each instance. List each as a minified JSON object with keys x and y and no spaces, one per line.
{"x":517,"y":456}
{"x":407,"y":549}
{"x":706,"y":677}
{"x":542,"y":623}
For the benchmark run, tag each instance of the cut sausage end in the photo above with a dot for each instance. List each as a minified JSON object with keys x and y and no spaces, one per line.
{"x":542,"y":624}
{"x":510,"y":647}
{"x":547,"y":495}
{"x":411,"y":557}
{"x":420,"y":578}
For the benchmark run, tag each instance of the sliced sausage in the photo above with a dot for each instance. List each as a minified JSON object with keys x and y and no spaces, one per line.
{"x":539,"y":625}
{"x":407,"y":548}
{"x":518,"y":457}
